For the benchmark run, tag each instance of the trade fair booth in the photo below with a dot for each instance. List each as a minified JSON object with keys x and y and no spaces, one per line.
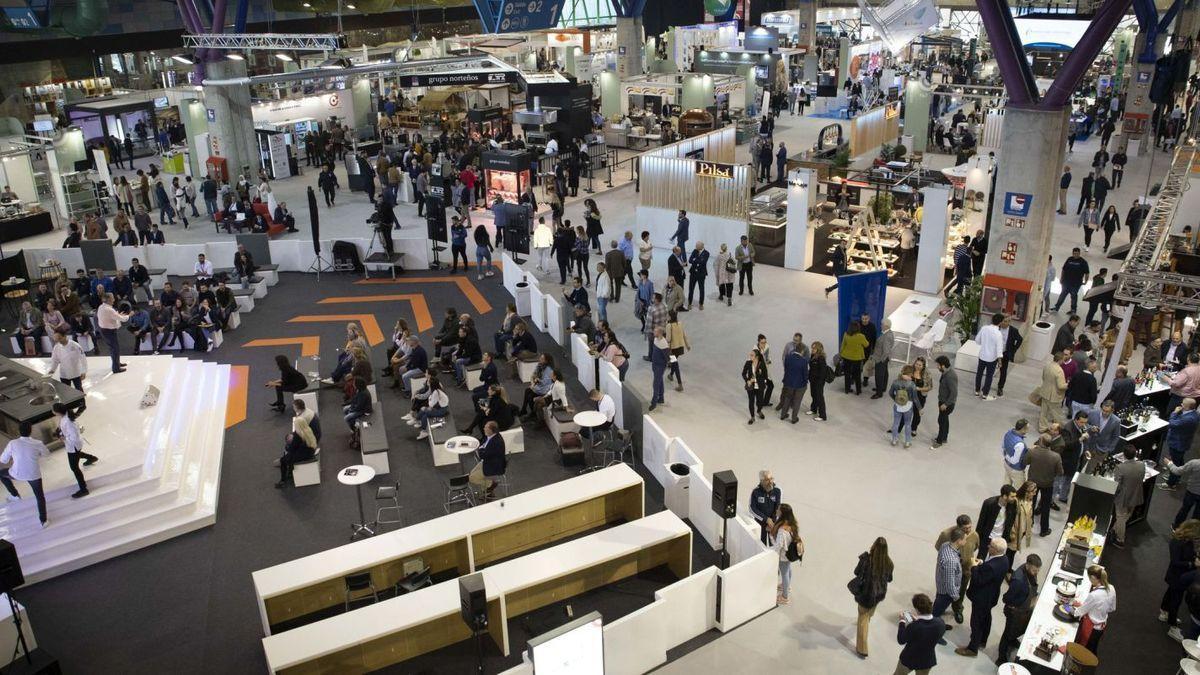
{"x":649,"y":100}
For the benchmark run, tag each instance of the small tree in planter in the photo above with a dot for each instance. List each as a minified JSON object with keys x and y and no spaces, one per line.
{"x":968,"y":305}
{"x":841,"y":161}
{"x":881,"y":206}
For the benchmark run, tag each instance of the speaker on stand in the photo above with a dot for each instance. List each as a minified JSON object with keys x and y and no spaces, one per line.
{"x":474,"y":611}
{"x":724,"y":504}
{"x":24,"y":661}
{"x":435,"y":222}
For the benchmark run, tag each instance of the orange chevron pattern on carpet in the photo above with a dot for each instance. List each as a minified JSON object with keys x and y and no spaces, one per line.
{"x":420,"y":306}
{"x":309,"y":345}
{"x":481,"y":305}
{"x":368,"y":322}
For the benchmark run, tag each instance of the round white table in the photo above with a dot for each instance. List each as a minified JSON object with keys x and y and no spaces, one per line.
{"x":358,"y":475}
{"x":1011,"y":669}
{"x":462,"y":446}
{"x":589,"y":419}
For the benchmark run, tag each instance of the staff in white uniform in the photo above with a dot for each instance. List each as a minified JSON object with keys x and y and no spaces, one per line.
{"x":74,"y":445}
{"x":22,"y":455}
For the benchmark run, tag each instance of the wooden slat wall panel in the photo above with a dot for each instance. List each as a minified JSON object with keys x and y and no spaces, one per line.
{"x":719,"y":146}
{"x":670,"y":183}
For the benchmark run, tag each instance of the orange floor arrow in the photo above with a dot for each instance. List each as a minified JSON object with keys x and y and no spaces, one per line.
{"x":369,"y":325}
{"x":235,"y":404}
{"x":309,"y":344}
{"x":482,"y":306}
{"x":420,"y":307}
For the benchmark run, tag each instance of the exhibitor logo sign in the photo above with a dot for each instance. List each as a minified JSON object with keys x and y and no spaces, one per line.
{"x":714,"y":170}
{"x":1017,"y":204}
{"x":467,"y":78}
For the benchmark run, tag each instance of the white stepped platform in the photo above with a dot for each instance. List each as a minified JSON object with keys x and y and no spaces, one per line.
{"x":158,"y":474}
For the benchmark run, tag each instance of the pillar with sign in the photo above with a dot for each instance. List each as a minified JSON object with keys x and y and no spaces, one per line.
{"x":230,"y":120}
{"x":629,"y":46}
{"x":807,"y":30}
{"x":798,"y":244}
{"x":1135,"y":124}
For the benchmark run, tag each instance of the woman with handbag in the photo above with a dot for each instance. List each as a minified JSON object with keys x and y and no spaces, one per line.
{"x":677,"y":339}
{"x":869,"y":587}
{"x":726,"y":271}
{"x":754,"y":378}
{"x":786,"y":542}
{"x":819,"y":375}
{"x":854,"y":352}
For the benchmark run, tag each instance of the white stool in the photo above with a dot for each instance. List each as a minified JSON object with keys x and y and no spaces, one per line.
{"x":308,"y":473}
{"x":1192,"y":649}
{"x":1188,"y":667}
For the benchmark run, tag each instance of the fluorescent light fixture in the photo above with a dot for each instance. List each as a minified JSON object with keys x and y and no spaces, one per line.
{"x":351,"y":7}
{"x":182,"y":59}
{"x":235,"y":57}
{"x":307,"y":4}
{"x":283,"y":57}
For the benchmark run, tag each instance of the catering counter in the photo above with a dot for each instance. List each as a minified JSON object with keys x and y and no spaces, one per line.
{"x":25,"y":225}
{"x":1046,"y":637}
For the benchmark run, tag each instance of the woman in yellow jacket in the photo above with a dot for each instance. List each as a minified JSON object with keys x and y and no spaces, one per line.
{"x":677,"y":339}
{"x":854,"y":352}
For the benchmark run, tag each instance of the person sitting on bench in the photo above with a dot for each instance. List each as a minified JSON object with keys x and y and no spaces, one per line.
{"x":604,"y":404}
{"x":523,"y":343}
{"x":299,"y":446}
{"x":359,"y":406}
{"x":492,"y":461}
{"x":243,"y":266}
{"x":539,"y":384}
{"x":436,"y":407}
{"x":495,"y":408}
{"x":284,"y":217}
{"x":488,"y":375}
{"x":290,"y":379}
{"x":300,"y":409}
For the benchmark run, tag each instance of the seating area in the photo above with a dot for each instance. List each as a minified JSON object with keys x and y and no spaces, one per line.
{"x":159,"y":474}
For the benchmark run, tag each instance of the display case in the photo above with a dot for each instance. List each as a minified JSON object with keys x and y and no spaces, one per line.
{"x":80,"y":194}
{"x":506,"y":173}
{"x":768,"y":217}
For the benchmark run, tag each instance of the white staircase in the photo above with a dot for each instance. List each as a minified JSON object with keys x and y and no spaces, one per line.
{"x":163,"y":483}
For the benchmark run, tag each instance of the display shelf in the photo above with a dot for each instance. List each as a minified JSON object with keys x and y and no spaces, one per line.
{"x":79,"y":191}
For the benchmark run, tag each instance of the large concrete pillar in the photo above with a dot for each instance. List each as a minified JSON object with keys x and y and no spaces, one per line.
{"x":917,"y":97}
{"x":1029,"y":164}
{"x":1138,"y":107}
{"x":231,"y":125}
{"x":629,"y":46}
{"x":843,"y":61}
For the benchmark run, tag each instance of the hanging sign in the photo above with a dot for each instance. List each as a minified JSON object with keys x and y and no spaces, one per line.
{"x":464,"y":78}
{"x":512,"y":16}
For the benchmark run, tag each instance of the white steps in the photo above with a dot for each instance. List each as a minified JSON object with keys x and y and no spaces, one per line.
{"x":135,"y":500}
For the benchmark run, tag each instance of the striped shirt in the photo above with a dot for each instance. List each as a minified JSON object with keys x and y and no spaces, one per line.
{"x":948,"y":577}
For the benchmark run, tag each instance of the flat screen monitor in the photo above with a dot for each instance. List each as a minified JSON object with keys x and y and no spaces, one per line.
{"x":1050,"y":34}
{"x":43,"y":125}
{"x":576,"y":648}
{"x":161,"y":102}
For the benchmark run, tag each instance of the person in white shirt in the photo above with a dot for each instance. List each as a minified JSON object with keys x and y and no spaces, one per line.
{"x":69,"y":359}
{"x":204,"y":269}
{"x":606,"y":406}
{"x":604,"y":291}
{"x":1094,"y":609}
{"x":22,"y":455}
{"x":110,"y":320}
{"x":437,"y":406}
{"x":74,"y":445}
{"x":991,"y":350}
{"x":552,"y":147}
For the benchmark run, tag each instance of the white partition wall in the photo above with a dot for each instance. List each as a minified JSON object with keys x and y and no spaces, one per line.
{"x":610,"y":383}
{"x":537,"y":305}
{"x":637,"y":642}
{"x":554,"y":319}
{"x":585,"y":365}
{"x":654,"y":449}
{"x":693,"y":603}
{"x":748,"y":588}
{"x":511,"y":272}
{"x":934,"y":221}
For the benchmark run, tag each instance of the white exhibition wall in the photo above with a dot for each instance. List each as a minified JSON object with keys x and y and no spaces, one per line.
{"x":554,"y":320}
{"x":585,"y":365}
{"x":711,"y":230}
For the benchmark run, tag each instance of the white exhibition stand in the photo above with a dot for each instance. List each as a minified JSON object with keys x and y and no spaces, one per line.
{"x":798,"y":244}
{"x":712,"y":230}
{"x":935,"y":221}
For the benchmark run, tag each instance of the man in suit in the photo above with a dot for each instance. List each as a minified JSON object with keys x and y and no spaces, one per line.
{"x":697,"y":273}
{"x":1018,"y":605}
{"x":1175,"y":352}
{"x":1054,"y":387}
{"x":1075,"y":435}
{"x":920,"y":635}
{"x":283,"y":216}
{"x":1105,"y":430}
{"x":677,"y":265}
{"x":1065,"y":337}
{"x":681,"y":233}
{"x":996,"y":517}
{"x":1012,"y":342}
{"x":614,"y":264}
{"x":1129,"y":476}
{"x":984,"y":592}
{"x":1181,"y":429}
{"x":1044,"y":466}
{"x":492,"y":460}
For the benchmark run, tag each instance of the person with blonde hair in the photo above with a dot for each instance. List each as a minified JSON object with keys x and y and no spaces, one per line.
{"x":1094,"y":609}
{"x":299,"y":445}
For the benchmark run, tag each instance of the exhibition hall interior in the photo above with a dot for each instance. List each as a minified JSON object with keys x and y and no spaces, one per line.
{"x":599,"y":336}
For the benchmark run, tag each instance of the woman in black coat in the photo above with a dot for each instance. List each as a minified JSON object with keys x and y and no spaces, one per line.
{"x":869,"y":587}
{"x":290,"y":379}
{"x":1110,"y":223}
{"x":562,"y":249}
{"x":754,"y":379}
{"x":819,"y":374}
{"x":1181,"y":571}
{"x":591,"y":216}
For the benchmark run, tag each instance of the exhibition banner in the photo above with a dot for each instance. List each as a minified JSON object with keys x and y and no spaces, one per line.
{"x":858,"y":294}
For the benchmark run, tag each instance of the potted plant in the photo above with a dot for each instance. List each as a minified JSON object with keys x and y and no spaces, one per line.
{"x":881,"y":205}
{"x":841,"y":161}
{"x":968,"y":305}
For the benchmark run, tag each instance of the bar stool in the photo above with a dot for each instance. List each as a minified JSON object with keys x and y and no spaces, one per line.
{"x":359,"y":587}
{"x":385,"y":494}
{"x":458,"y":491}
{"x":1192,"y":649}
{"x":1188,"y":667}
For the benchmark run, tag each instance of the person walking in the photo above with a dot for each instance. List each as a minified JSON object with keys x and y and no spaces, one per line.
{"x":591,"y":217}
{"x":562,"y":249}
{"x":1050,"y":395}
{"x":614,"y":266}
{"x":920,"y":635}
{"x":853,"y":352}
{"x":604,"y":290}
{"x":1063,"y":183}
{"x":1089,"y":220}
{"x":837,"y":260}
{"x":1181,"y":429}
{"x":966,"y":552}
{"x":655,"y":318}
{"x":1014,"y":449}
{"x":681,"y":231}
{"x":110,"y":320}
{"x":483,"y":251}
{"x":579,"y":255}
{"x":795,"y":383}
{"x":984,"y":592}
{"x":754,"y":380}
{"x":1075,"y":271}
{"x":1085,"y":193}
{"x":1012,"y":342}
{"x":786,"y":542}
{"x":1182,"y":571}
{"x":659,"y":357}
{"x":726,"y":269}
{"x":946,"y":399}
{"x":744,"y":253}
{"x":1094,"y":609}
{"x":697,"y":273}
{"x":458,"y":245}
{"x":645,"y":253}
{"x":73,"y":442}
{"x":679,"y":345}
{"x":869,"y":586}
{"x":1019,"y":601}
{"x":1129,"y":475}
{"x":23,"y":455}
{"x":328,"y":183}
{"x":1110,"y":223}
{"x":819,"y":374}
{"x":903,"y":394}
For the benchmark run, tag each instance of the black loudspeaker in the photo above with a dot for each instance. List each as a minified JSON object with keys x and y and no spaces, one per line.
{"x":11,"y":577}
{"x":724,"y":494}
{"x":474,"y":602}
{"x":314,"y":219}
{"x":516,"y":239}
{"x":435,"y":218}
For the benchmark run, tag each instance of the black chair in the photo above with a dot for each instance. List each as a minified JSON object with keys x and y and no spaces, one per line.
{"x":360,"y":587}
{"x":458,"y":491}
{"x":416,"y":580}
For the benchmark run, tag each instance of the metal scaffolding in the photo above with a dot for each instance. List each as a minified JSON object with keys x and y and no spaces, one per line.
{"x":1145,"y":279}
{"x":275,"y":42}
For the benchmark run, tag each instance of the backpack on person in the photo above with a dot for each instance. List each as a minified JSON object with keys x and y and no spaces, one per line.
{"x":793,"y":553}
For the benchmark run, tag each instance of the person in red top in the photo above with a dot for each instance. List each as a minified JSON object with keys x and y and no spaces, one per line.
{"x":467,"y":176}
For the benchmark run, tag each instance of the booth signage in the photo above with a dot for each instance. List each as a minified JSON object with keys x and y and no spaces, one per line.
{"x":512,"y":16}
{"x":714,"y":170}
{"x":1009,"y":254}
{"x":1017,"y":204}
{"x":468,"y":78}
{"x":1018,"y":223}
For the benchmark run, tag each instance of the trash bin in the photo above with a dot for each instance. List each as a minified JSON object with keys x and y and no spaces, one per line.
{"x":676,"y":489}
{"x":1041,"y":338}
{"x":523,"y":298}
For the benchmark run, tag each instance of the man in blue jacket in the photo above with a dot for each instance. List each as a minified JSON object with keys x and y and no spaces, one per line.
{"x":795,"y":383}
{"x":920,"y":635}
{"x":1181,"y":428}
{"x":1018,"y":605}
{"x":681,"y":231}
{"x":984,"y":592}
{"x":764,"y":502}
{"x":492,"y":460}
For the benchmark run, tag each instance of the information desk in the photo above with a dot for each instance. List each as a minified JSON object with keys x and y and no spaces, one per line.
{"x":26,"y":225}
{"x":1043,"y":624}
{"x":462,"y":541}
{"x":401,"y":628}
